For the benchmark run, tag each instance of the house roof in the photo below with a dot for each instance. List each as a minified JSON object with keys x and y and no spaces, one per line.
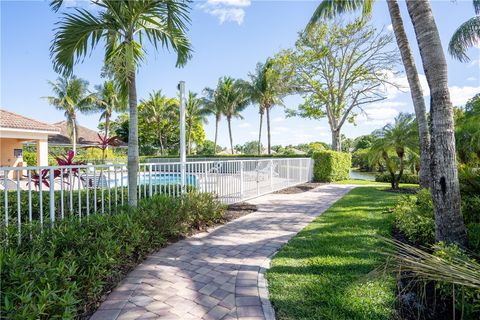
{"x":85,"y":136}
{"x":12,"y":120}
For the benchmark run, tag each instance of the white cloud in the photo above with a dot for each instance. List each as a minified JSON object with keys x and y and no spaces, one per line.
{"x":390,"y":27}
{"x":400,"y":85}
{"x":475,"y":63}
{"x":278,"y":119}
{"x":244,"y":125}
{"x":460,"y":95}
{"x":471,"y":79}
{"x":377,"y":116}
{"x":227,"y":10}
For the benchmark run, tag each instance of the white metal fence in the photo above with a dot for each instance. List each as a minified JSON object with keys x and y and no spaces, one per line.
{"x":47,"y":194}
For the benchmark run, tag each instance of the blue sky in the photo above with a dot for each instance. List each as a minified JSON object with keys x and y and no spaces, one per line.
{"x":229,"y":37}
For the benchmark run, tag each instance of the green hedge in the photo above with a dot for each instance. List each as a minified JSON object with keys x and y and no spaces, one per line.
{"x":62,"y":273}
{"x":406,"y":178}
{"x":331,"y":166}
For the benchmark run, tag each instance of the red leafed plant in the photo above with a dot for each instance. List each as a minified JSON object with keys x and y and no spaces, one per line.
{"x":43,"y":177}
{"x":106,"y":142}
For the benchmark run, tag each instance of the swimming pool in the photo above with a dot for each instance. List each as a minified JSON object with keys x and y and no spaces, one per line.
{"x":161,"y":179}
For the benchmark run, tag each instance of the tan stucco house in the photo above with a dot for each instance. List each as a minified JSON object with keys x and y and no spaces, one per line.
{"x":15,"y":130}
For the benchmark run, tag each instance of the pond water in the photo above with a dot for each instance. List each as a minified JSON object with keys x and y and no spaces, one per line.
{"x":360,"y":175}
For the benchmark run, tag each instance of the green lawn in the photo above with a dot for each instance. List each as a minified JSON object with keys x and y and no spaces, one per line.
{"x":328,"y":271}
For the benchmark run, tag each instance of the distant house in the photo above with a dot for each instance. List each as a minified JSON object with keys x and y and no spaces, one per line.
{"x":85,"y":137}
{"x":15,"y":130}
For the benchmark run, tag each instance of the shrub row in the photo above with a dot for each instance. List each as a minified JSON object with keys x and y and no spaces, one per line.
{"x":406,"y":178}
{"x":63,"y":272}
{"x":331,"y":166}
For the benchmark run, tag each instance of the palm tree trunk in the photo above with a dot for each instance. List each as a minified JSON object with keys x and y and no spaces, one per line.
{"x":260,"y":132}
{"x":269,"y":147}
{"x":107,"y":126}
{"x":415,"y":91}
{"x":74,"y":135}
{"x":229,"y":120}
{"x":449,"y":225}
{"x":217,"y":120}
{"x":132,"y":165}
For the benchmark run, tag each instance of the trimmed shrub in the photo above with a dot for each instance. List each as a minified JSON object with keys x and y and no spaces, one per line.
{"x":414,"y":217}
{"x":331,"y":166}
{"x":406,"y":178}
{"x":63,"y":272}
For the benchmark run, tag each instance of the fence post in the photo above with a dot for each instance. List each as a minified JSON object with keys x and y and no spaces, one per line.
{"x":271,"y":174}
{"x":242,"y":186}
{"x":150,"y":180}
{"x":52,"y":198}
{"x":288,"y":172}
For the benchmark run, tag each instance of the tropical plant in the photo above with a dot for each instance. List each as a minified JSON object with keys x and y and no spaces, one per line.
{"x":195,"y":114}
{"x":330,"y":8}
{"x":267,"y":90}
{"x":106,"y":142}
{"x":338,"y":68}
{"x":467,"y":131}
{"x":71,"y":95}
{"x":449,"y":224}
{"x":395,"y":140}
{"x":109,"y":99}
{"x":466,"y":36}
{"x":124,"y":26}
{"x":159,"y":111}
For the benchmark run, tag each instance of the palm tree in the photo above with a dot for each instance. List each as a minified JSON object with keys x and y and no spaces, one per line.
{"x":124,"y":26}
{"x":195,"y":112}
{"x":449,"y":224}
{"x":398,"y":138}
{"x":466,"y":36}
{"x":330,"y":8}
{"x":266,"y":90}
{"x":229,"y":98}
{"x":109,"y":99}
{"x":159,"y":111}
{"x":71,"y":95}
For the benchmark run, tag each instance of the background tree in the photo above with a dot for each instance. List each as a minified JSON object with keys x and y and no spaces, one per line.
{"x":338,"y":68}
{"x":208,"y":148}
{"x":71,"y":95}
{"x":162,"y":114}
{"x":330,"y":8}
{"x":395,"y":139}
{"x":467,"y":132}
{"x":109,"y":99}
{"x":267,"y":90}
{"x":195,"y":113}
{"x":230,"y":97}
{"x":449,"y":224}
{"x":251,"y":147}
{"x":123,"y":26}
{"x":466,"y":36}
{"x":214,"y":106}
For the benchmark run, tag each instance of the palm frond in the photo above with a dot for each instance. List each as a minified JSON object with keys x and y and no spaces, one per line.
{"x":328,"y":9}
{"x":466,"y":36}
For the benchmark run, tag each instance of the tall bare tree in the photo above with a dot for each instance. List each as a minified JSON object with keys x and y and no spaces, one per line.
{"x":338,"y":68}
{"x":329,"y":8}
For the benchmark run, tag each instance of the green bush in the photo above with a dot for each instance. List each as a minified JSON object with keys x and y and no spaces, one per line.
{"x":406,"y":178}
{"x":331,"y":166}
{"x":414,"y":217}
{"x":30,"y":158}
{"x":63,"y":272}
{"x":473,"y":233}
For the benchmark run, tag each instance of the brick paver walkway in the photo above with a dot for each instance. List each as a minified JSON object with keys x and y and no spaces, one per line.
{"x":218,"y":275}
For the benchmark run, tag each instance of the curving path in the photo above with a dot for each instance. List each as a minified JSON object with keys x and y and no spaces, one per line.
{"x":219,"y":274}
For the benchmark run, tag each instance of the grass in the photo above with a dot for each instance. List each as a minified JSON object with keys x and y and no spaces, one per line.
{"x":328,"y":271}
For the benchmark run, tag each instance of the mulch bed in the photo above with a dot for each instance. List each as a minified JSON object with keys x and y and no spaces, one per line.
{"x":237,"y":210}
{"x":300,"y":188}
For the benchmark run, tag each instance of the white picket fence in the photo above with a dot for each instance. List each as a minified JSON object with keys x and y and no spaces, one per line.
{"x":57,"y":192}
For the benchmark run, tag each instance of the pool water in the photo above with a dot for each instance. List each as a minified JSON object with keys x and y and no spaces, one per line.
{"x":160,"y":179}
